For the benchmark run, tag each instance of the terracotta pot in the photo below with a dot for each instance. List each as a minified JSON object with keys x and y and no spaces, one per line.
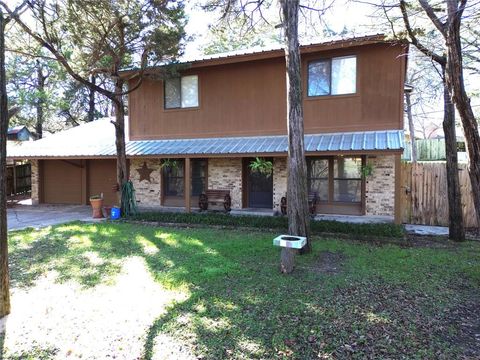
{"x":97,"y":205}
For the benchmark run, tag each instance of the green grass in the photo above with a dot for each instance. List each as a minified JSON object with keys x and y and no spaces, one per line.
{"x":269,"y":222}
{"x":370,"y":302}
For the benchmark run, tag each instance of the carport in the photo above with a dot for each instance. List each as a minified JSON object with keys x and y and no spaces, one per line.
{"x":72,"y":165}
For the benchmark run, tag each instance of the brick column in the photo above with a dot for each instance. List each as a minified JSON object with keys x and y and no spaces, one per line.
{"x":35,"y":179}
{"x":279,"y":181}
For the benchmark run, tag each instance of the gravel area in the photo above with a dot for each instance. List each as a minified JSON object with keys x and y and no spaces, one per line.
{"x":59,"y":321}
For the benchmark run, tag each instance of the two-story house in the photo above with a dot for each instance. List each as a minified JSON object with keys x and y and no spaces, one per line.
{"x":223,"y":111}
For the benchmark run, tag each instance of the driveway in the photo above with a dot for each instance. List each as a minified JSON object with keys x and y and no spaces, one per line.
{"x":24,"y":216}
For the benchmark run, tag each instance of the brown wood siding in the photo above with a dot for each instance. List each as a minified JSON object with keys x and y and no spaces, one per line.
{"x":101,"y":179}
{"x":249,"y":99}
{"x":62,"y":181}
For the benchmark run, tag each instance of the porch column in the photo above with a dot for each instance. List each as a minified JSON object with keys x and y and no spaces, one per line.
{"x":398,"y":189}
{"x":188,"y":181}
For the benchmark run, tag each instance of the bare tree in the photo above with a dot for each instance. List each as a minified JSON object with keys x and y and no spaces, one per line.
{"x":456,"y":223}
{"x":450,"y":29}
{"x":4,"y":118}
{"x":411,"y":125}
{"x":297,"y":194}
{"x":4,"y":276}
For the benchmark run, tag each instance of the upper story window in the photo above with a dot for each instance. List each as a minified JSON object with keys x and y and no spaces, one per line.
{"x":181,"y":92}
{"x":335,"y":76}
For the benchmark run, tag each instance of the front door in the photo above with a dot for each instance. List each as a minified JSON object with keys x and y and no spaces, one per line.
{"x":260,"y":189}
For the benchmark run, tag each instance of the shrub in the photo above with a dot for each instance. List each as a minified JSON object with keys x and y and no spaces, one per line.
{"x":270,"y":222}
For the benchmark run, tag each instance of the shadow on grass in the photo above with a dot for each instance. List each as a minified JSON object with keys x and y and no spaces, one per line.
{"x":36,"y":352}
{"x":88,"y":254}
{"x":388,"y":301}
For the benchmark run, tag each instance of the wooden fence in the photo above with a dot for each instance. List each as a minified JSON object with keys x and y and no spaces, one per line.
{"x":427,"y":150}
{"x":424,"y":194}
{"x":19,"y":179}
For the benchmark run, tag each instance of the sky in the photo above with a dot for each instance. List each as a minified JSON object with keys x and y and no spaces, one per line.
{"x":343,"y":13}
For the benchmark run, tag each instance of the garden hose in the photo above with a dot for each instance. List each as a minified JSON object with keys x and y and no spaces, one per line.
{"x":129,"y":203}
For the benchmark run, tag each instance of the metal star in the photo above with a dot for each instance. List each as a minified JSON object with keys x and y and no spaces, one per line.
{"x":145,"y":172}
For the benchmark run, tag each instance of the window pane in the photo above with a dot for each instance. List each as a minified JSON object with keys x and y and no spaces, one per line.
{"x":346,"y":190}
{"x":319,"y":78}
{"x":317,"y":174}
{"x":189,"y":91}
{"x":319,"y":186}
{"x":347,"y":168}
{"x":199,"y":171}
{"x":174,"y":179}
{"x":344,"y":75}
{"x":172,"y":93}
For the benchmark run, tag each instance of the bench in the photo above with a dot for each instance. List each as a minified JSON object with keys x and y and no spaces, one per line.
{"x":215,"y":197}
{"x":312,"y":204}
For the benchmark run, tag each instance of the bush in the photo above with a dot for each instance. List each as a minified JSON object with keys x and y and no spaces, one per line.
{"x":271,"y":222}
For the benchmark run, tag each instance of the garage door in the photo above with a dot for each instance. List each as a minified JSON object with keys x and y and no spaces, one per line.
{"x":102,"y":176}
{"x":62,"y":182}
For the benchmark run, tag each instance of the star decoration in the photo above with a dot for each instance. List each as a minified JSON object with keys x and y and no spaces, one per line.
{"x":144,"y":172}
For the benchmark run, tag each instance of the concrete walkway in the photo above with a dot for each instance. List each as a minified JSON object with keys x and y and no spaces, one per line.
{"x":24,"y":216}
{"x":426,"y":230}
{"x":37,"y":216}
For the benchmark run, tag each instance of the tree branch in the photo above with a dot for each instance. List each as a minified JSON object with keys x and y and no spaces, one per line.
{"x":413,"y":39}
{"x":435,"y":20}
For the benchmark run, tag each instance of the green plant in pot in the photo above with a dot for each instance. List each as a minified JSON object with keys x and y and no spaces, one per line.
{"x":168,"y":164}
{"x":96,"y":201}
{"x":262,"y":166}
{"x":366,"y":170}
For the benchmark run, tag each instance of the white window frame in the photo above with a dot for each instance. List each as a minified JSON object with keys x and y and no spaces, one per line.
{"x":180,"y":91}
{"x":330,"y":60}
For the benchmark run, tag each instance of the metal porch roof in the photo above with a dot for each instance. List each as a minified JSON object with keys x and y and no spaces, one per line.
{"x":97,"y":139}
{"x":351,"y":141}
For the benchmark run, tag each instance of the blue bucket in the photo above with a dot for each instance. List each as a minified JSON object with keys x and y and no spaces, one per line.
{"x":115,"y":213}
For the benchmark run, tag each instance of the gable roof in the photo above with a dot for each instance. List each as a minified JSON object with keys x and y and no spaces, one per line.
{"x":97,"y":140}
{"x":16,"y":129}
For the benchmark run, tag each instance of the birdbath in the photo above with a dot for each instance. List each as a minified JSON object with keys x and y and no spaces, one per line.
{"x":289,"y":244}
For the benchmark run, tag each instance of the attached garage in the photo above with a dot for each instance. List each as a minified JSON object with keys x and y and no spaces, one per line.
{"x":102,"y":176}
{"x":62,"y":181}
{"x":74,"y":181}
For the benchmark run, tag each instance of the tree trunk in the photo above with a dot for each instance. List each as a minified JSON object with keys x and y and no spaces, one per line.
{"x":297,"y":195}
{"x":91,"y":100}
{"x":122,"y":175}
{"x":456,"y":227}
{"x":4,"y":276}
{"x":40,"y":101}
{"x":411,"y":127}
{"x":462,"y":101}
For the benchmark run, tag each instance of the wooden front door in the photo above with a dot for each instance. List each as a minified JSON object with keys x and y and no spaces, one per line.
{"x":260,"y":189}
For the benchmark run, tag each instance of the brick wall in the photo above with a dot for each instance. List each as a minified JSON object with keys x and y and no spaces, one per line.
{"x":380,"y":186}
{"x":226,"y":173}
{"x":35,"y":182}
{"x":147,"y":193}
{"x":279,"y":181}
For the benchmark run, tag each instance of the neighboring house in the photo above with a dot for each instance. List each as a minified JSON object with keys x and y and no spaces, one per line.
{"x":19,"y":133}
{"x":225,"y":110}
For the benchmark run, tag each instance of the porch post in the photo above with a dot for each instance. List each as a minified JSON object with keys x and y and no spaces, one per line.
{"x":188,"y":181}
{"x":398,"y":189}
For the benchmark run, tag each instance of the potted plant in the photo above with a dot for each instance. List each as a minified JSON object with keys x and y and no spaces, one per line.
{"x":262,"y":166}
{"x":97,"y":203}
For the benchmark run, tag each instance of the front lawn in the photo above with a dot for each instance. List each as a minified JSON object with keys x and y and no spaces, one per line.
{"x":130,"y":291}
